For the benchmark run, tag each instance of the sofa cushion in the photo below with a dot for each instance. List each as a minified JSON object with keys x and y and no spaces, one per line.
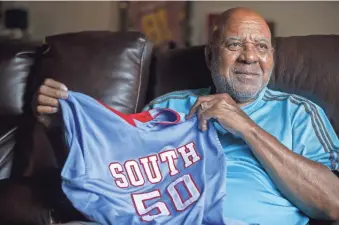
{"x":109,"y":66}
{"x":308,"y":65}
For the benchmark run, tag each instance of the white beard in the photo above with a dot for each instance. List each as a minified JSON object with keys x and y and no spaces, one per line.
{"x":233,"y":87}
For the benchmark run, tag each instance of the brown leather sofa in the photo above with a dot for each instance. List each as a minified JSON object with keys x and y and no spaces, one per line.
{"x":125,"y":72}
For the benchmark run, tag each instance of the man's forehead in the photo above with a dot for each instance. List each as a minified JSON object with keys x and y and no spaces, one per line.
{"x":246,"y":27}
{"x":241,"y":23}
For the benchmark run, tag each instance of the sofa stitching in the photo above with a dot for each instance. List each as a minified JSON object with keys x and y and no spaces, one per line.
{"x":10,"y":132}
{"x":140,"y":76}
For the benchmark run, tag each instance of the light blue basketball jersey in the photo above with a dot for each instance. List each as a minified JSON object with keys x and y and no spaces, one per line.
{"x":296,"y":122}
{"x":147,"y":168}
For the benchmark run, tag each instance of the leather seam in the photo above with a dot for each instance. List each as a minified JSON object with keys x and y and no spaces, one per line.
{"x":140,"y":76}
{"x":10,"y":132}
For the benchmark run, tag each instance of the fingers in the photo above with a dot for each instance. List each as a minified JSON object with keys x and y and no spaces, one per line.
{"x":203,"y":125}
{"x":55,"y":84}
{"x":47,"y":97}
{"x":46,"y":109}
{"x":209,"y":104}
{"x":197,"y":104}
{"x":193,"y":109}
{"x":205,"y":106}
{"x":205,"y":112}
{"x":47,"y":101}
{"x":52,"y":92}
{"x":47,"y":104}
{"x":208,"y":107}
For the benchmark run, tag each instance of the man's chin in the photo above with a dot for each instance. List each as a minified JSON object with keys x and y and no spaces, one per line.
{"x":244,"y":96}
{"x":239,"y":91}
{"x":244,"y":99}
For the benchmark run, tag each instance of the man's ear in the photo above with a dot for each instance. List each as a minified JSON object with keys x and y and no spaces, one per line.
{"x":208,"y":56}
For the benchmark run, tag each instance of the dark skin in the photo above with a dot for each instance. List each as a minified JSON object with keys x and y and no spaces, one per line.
{"x":312,"y":187}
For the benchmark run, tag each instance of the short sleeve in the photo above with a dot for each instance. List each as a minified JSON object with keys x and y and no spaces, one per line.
{"x":314,"y":136}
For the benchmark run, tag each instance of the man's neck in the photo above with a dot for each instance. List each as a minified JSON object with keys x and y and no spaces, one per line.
{"x":240,"y":104}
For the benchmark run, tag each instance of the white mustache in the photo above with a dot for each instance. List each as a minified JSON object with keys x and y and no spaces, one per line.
{"x":247,"y":70}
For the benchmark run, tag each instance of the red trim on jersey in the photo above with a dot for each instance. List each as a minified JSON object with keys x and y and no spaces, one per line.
{"x":163,"y":122}
{"x":142,"y":117}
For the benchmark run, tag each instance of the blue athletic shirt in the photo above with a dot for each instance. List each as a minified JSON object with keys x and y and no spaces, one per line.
{"x":296,"y":122}
{"x":153,"y":167}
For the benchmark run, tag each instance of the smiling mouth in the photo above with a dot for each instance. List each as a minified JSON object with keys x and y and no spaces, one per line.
{"x":246,"y":73}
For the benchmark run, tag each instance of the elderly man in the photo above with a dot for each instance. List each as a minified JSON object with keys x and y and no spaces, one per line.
{"x":280,"y":148}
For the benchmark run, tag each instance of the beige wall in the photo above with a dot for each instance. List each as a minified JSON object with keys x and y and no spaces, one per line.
{"x":291,"y":18}
{"x":49,"y":18}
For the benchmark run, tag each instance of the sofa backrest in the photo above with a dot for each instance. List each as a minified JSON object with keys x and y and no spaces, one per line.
{"x":109,"y":66}
{"x":178,"y":69}
{"x":308,"y":66}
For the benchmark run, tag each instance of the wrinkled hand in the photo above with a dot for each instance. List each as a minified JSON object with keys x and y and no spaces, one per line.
{"x":225,"y":110}
{"x":46,"y":104}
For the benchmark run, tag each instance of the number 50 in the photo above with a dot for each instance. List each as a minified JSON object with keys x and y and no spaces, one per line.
{"x":161,"y":207}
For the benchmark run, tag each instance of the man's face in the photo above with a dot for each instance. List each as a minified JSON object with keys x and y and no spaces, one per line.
{"x":242,"y":59}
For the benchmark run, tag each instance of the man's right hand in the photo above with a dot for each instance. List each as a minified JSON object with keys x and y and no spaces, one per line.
{"x":46,"y":104}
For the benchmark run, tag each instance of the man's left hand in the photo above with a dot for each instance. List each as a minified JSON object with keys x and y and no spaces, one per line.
{"x":225,"y":110}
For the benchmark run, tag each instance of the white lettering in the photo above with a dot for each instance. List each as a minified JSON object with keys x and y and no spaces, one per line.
{"x":131,"y":174}
{"x":169,"y":156}
{"x":189,"y":154}
{"x":152,"y":171}
{"x":134,"y":173}
{"x":116,"y":171}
